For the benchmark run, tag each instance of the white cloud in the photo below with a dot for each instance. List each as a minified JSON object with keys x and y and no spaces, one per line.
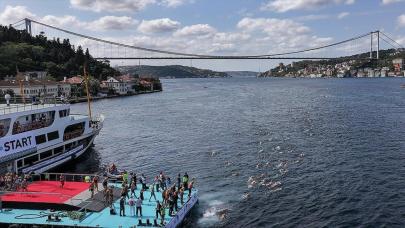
{"x":288,"y":5}
{"x":313,"y":17}
{"x":111,"y":5}
{"x":113,"y":23}
{"x":103,"y":23}
{"x":62,"y":21}
{"x":196,"y":30}
{"x":386,"y":2}
{"x":158,"y":25}
{"x":12,"y":14}
{"x":272,"y":26}
{"x":279,"y":35}
{"x":343,"y":15}
{"x":173,"y":3}
{"x":401,"y":20}
{"x":123,"y":5}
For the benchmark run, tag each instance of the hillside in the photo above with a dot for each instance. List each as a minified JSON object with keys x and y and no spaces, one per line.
{"x":241,"y":74}
{"x":339,"y":65}
{"x":19,"y":50}
{"x":171,"y":71}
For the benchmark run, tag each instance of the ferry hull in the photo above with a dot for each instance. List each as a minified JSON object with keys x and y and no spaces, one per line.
{"x":61,"y":159}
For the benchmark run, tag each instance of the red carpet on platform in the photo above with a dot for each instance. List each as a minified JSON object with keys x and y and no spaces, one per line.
{"x":47,"y":192}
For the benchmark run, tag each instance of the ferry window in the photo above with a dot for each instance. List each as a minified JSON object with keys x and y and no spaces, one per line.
{"x":4,"y":126}
{"x":19,"y":163}
{"x":73,"y":131}
{"x":46,"y":154}
{"x":31,"y":159}
{"x":63,"y":113}
{"x":53,"y":135}
{"x":33,"y":122}
{"x":58,"y":150}
{"x":40,"y":139}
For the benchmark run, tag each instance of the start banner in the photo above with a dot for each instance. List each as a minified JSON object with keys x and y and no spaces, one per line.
{"x":16,"y":144}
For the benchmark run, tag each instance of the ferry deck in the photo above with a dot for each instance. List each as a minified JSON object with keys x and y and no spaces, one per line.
{"x":32,"y":207}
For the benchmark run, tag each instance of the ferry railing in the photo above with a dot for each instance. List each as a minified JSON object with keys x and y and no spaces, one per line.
{"x":97,"y":122}
{"x":18,"y":104}
{"x":68,"y":177}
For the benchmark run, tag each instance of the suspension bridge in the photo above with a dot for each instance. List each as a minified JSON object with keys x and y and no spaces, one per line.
{"x":102,"y":49}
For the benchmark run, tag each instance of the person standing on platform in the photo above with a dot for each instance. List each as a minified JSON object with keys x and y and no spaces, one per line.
{"x":152,"y":192}
{"x":190,"y":187}
{"x":139,"y":207}
{"x":133,"y":187}
{"x":105,"y":184}
{"x":162,"y":215}
{"x":91,"y":189}
{"x":175,"y":199}
{"x":168,"y":182}
{"x":141,"y":196}
{"x":158,"y":208}
{"x":62,"y":180}
{"x":143,"y":181}
{"x":130,"y":178}
{"x":157,"y":183}
{"x":125,"y":177}
{"x":181,"y":195}
{"x":111,"y":196}
{"x":178,"y":182}
{"x":95,"y":182}
{"x":185,"y":181}
{"x":134,"y":179}
{"x":122,"y":206}
{"x":131,"y":203}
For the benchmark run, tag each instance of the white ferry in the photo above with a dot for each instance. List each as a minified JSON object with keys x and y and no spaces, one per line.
{"x":35,"y":138}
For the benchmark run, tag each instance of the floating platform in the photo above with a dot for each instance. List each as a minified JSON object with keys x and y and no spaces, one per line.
{"x":44,"y":198}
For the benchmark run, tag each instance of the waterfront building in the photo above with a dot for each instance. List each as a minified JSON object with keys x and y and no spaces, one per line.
{"x":75,"y":83}
{"x":35,"y":88}
{"x":130,"y":81}
{"x":398,"y":64}
{"x":119,"y":87}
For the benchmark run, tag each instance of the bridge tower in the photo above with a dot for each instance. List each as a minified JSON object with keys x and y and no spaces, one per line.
{"x":377,"y":33}
{"x":28,"y":25}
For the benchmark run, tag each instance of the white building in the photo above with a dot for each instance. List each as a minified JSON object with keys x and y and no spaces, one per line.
{"x":36,"y":88}
{"x":118,"y":86}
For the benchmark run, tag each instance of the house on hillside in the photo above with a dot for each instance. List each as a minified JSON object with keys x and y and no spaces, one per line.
{"x":121,"y":85}
{"x":75,"y":83}
{"x":36,"y":88}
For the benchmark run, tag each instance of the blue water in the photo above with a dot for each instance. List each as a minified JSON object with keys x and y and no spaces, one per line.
{"x":268,"y":152}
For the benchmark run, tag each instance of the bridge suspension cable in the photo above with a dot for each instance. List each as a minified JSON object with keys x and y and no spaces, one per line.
{"x":182,"y":55}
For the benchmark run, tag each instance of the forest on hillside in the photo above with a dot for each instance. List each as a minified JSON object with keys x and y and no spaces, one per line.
{"x":19,"y":50}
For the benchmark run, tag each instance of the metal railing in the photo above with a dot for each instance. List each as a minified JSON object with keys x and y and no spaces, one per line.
{"x":68,"y":177}
{"x":19,"y":104}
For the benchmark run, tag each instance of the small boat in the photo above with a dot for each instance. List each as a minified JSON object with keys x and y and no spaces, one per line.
{"x":402,"y":86}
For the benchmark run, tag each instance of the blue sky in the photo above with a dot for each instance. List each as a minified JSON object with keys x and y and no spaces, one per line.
{"x":218,"y":27}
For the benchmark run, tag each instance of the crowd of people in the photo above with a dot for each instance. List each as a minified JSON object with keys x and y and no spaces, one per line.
{"x":14,"y":182}
{"x":171,"y":193}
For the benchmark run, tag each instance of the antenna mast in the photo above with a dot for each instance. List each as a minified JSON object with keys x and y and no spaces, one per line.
{"x":86,"y":81}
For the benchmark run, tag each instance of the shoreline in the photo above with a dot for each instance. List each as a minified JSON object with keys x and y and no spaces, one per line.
{"x":84,"y":99}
